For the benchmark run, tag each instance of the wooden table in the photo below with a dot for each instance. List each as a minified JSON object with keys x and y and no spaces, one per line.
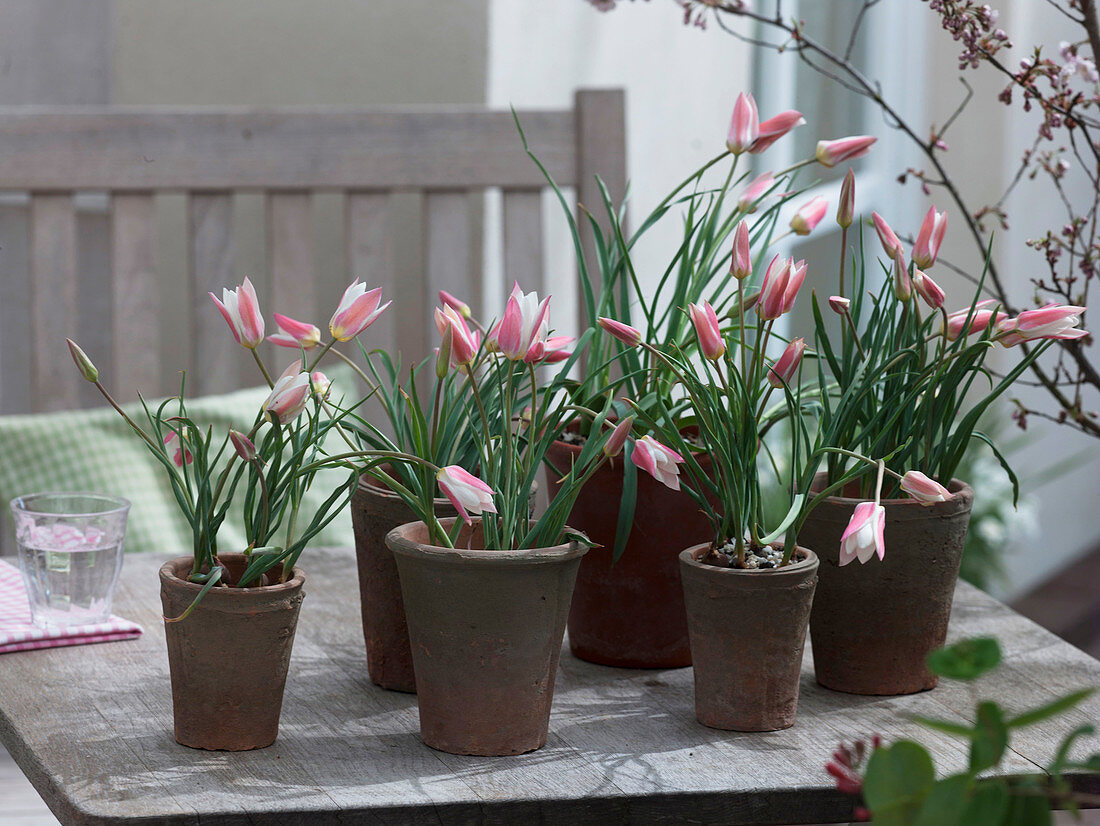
{"x":91,"y":727}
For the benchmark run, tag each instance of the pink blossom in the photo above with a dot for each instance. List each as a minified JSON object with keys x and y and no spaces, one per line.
{"x":784,"y":369}
{"x":464,"y":343}
{"x":467,"y":493}
{"x":774,"y":288}
{"x":891,"y":244}
{"x":983,"y":314}
{"x":839,"y":304}
{"x":521,"y":334}
{"x":776,"y":127}
{"x":1051,"y":321}
{"x":295,"y":333}
{"x":830,"y":153}
{"x":459,"y":306}
{"x":289,"y":394}
{"x":180,"y":455}
{"x":630,"y":336}
{"x":925,"y":490}
{"x":865,"y":535}
{"x":741,"y":259}
{"x":809,"y":215}
{"x":744,"y":125}
{"x":241,"y":310}
{"x":705,"y":320}
{"x":756,"y":190}
{"x":928,"y":289}
{"x":357,"y":310}
{"x":930,"y":237}
{"x":617,"y":440}
{"x":658,"y":461}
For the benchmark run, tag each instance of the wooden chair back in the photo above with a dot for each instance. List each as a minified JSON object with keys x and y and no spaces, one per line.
{"x":447,"y":156}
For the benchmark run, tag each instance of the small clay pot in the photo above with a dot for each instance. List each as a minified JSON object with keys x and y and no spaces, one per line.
{"x":375,"y":511}
{"x":748,"y":631}
{"x":630,"y":613}
{"x":874,"y":625}
{"x":228,"y":659}
{"x":486,"y":629}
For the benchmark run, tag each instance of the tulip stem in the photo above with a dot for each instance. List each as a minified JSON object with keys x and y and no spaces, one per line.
{"x":351,"y":363}
{"x":320,"y":355}
{"x":793,"y":167}
{"x":263,"y":369}
{"x":843,"y":255}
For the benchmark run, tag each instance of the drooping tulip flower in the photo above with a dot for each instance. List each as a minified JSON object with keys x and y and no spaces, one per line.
{"x":658,"y":461}
{"x":774,"y":288}
{"x":467,"y":493}
{"x":794,"y":284}
{"x":756,"y":190}
{"x":320,"y":384}
{"x":932,"y":230}
{"x":845,"y":210}
{"x":903,"y":284}
{"x":776,"y":127}
{"x":464,"y":342}
{"x":289,"y":394}
{"x":839,"y":304}
{"x":460,"y":306}
{"x":925,"y":490}
{"x":617,"y":440}
{"x":241,"y":310}
{"x":928,"y":289}
{"x":744,"y":125}
{"x":557,"y":349}
{"x":1053,"y":321}
{"x":243,"y":445}
{"x":864,"y":536}
{"x":705,"y":320}
{"x":809,"y":215}
{"x":784,"y":370}
{"x":891,"y":244}
{"x":521,"y":333}
{"x":358,"y":309}
{"x":981,"y":318}
{"x":741,"y":260}
{"x":295,"y":333}
{"x":630,"y":336}
{"x":180,"y":454}
{"x":830,"y":153}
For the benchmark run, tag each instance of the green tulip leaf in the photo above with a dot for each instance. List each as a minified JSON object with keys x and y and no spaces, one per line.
{"x":990,"y":738}
{"x":967,"y":659}
{"x":1050,"y":709}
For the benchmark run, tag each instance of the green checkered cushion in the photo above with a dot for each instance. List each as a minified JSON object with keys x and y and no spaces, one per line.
{"x":95,"y":450}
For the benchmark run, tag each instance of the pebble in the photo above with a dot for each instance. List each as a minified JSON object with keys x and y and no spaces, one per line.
{"x":767,"y":557}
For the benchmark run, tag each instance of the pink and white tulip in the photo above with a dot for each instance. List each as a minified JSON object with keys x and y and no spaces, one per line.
{"x":774,"y":288}
{"x":785,"y":369}
{"x":178,"y":453}
{"x":891,"y":244}
{"x":705,"y":320}
{"x":295,"y":333}
{"x":464,"y":342}
{"x":981,"y":318}
{"x":1057,"y":321}
{"x":776,"y":127}
{"x":557,"y":348}
{"x":928,"y":289}
{"x":289,"y":394}
{"x":830,"y":153}
{"x":845,"y":210}
{"x":521,"y":334}
{"x":839,"y":304}
{"x":467,"y":493}
{"x":925,"y":490}
{"x":320,"y":384}
{"x":865,"y":535}
{"x":459,"y":306}
{"x":630,"y":336}
{"x":658,"y":461}
{"x":243,"y":445}
{"x":744,"y":125}
{"x":930,"y":237}
{"x":903,"y":284}
{"x":617,"y":440}
{"x":358,"y":309}
{"x":747,"y":201}
{"x":741,"y":260}
{"x":241,"y":310}
{"x":794,"y":284}
{"x":809,"y":215}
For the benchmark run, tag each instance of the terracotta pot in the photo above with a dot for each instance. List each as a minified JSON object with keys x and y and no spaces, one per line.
{"x":486,"y":630}
{"x":874,"y":625}
{"x":630,"y":613}
{"x":748,"y":630}
{"x":375,"y":511}
{"x":229,"y":658}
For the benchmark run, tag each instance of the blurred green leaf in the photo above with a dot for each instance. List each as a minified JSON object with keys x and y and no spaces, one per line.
{"x":1028,"y":806}
{"x":945,"y":803}
{"x":897,"y":780}
{"x":990,"y":738}
{"x":1050,"y":709}
{"x":987,"y":805}
{"x":967,"y":659}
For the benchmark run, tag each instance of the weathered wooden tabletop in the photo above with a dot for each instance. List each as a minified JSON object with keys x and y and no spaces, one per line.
{"x":91,"y":726}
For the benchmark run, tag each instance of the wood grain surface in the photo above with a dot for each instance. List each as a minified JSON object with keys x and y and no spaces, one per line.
{"x":91,"y":727}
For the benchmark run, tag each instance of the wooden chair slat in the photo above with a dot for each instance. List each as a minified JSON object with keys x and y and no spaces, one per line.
{"x":290,"y":254}
{"x":210,"y":234}
{"x":523,"y":241}
{"x":15,"y":297}
{"x":370,"y":257}
{"x":53,"y":263}
{"x":447,"y":249}
{"x":135,"y":300}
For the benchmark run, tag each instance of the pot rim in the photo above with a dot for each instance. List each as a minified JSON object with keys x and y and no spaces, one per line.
{"x":964,"y":494}
{"x":168,"y":575}
{"x":376,"y":488}
{"x":800,"y":568}
{"x":402,"y":545}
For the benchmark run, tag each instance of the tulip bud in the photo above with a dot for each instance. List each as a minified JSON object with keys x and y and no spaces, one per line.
{"x":320,"y":384}
{"x":930,"y":237}
{"x":809,"y":215}
{"x":903,"y":284}
{"x":630,"y":336}
{"x":924,"y":490}
{"x":1056,"y":321}
{"x":845,"y":210}
{"x":830,"y":153}
{"x":617,"y":440}
{"x":744,"y":126}
{"x":891,"y":244}
{"x":774,"y":288}
{"x":794,"y":284}
{"x":741,"y":260}
{"x":839,"y":304}
{"x":928,"y":289}
{"x":241,"y":310}
{"x":459,"y":306}
{"x":180,"y":455}
{"x":707,"y":331}
{"x":784,"y":369}
{"x":756,"y":190}
{"x":776,"y":127}
{"x":87,"y":369}
{"x":443,"y":355}
{"x":243,"y":445}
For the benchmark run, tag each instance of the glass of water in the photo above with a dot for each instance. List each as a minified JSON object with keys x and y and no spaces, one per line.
{"x":70,"y":553}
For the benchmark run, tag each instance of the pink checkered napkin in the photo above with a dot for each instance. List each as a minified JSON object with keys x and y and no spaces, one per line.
{"x":18,"y":633}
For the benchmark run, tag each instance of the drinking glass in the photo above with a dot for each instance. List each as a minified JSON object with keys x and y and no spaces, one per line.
{"x":70,"y":554}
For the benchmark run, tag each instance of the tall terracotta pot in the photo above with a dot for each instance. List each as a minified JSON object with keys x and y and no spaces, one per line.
{"x":375,"y":511}
{"x":874,"y":625}
{"x":630,"y":613}
{"x":229,"y":658}
{"x":486,"y":630}
{"x":748,"y":631}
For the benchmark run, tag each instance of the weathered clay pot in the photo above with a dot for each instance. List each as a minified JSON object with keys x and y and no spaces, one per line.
{"x":873,"y":626}
{"x":748,"y":630}
{"x":375,"y":511}
{"x":229,"y":658}
{"x":630,"y":613}
{"x":486,"y":629}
